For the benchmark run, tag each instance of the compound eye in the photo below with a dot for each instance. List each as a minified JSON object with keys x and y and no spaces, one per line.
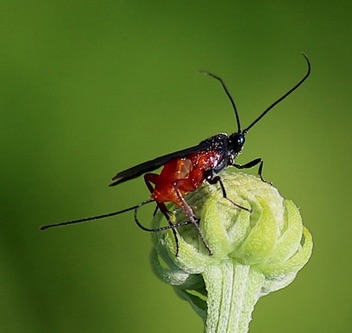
{"x":240,"y":139}
{"x":237,"y":141}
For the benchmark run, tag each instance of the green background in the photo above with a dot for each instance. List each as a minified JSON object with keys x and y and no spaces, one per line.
{"x":88,"y":88}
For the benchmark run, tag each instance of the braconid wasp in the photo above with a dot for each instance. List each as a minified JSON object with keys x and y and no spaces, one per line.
{"x":185,"y":170}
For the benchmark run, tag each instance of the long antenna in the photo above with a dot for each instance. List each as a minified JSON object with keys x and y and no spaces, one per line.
{"x":98,"y":217}
{"x":228,"y":95}
{"x":245,"y":131}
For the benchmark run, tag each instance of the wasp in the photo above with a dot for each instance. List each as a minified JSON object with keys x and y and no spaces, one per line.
{"x":185,"y":170}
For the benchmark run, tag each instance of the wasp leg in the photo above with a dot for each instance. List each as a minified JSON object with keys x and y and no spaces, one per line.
{"x":251,"y":164}
{"x":217,"y":179}
{"x":168,"y":227}
{"x":151,"y":178}
{"x":189,"y":212}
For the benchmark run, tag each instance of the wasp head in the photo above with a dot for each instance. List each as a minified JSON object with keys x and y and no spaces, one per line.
{"x":236,"y":142}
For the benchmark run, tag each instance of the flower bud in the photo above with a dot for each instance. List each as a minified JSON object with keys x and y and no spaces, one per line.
{"x":255,"y":251}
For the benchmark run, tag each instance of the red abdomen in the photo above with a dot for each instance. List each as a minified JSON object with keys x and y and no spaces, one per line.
{"x":180,"y":176}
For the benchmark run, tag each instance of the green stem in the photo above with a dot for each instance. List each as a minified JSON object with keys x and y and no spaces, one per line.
{"x":239,"y":288}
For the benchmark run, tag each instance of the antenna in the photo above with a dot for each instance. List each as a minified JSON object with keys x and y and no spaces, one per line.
{"x":228,"y":95}
{"x":245,"y":131}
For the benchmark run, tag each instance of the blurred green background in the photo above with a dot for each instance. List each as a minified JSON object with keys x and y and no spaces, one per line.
{"x":88,"y":88}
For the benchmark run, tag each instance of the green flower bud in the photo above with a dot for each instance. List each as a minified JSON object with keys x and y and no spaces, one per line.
{"x":254,"y":253}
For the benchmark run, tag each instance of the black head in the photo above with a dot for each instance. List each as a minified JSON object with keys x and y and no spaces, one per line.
{"x":237,"y":139}
{"x":236,"y":142}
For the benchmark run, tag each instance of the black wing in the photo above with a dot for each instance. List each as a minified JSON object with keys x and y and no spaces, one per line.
{"x":151,"y":165}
